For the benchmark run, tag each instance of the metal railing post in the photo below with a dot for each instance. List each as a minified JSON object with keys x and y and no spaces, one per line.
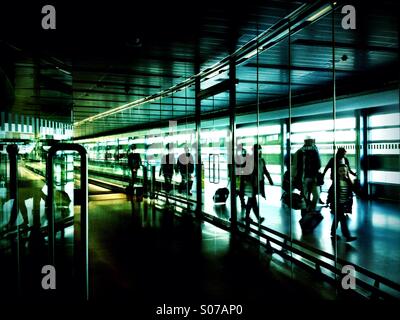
{"x":153,"y":182}
{"x":84,"y":207}
{"x":12,"y":150}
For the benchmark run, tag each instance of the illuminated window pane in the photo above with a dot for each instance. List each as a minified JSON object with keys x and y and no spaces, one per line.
{"x":319,"y":137}
{"x":322,"y":125}
{"x":272,"y":149}
{"x":390,"y":119}
{"x":348,"y":135}
{"x":391,"y":177}
{"x":389,"y":134}
{"x":345,"y":123}
{"x":269,"y":129}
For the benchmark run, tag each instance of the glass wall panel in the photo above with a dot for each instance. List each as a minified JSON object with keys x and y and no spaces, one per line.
{"x":215,"y":142}
{"x":261,"y":116}
{"x":313,"y":136}
{"x":246,"y":134}
{"x":274,"y":106}
{"x":215,"y":148}
{"x":367,"y":86}
{"x":185,"y":149}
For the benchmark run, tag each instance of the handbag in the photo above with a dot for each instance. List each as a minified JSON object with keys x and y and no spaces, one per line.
{"x":221,"y":195}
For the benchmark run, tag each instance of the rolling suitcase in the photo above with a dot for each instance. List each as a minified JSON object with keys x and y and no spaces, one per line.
{"x":129,"y":190}
{"x":221,"y":195}
{"x":139,"y":193}
{"x":310,"y":221}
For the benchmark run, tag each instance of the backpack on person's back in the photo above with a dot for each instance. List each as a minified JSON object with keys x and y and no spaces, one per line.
{"x":134,"y":161}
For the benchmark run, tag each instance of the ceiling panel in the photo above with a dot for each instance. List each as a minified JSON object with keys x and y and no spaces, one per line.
{"x":104,"y":56}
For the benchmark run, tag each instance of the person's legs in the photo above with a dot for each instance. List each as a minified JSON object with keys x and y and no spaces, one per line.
{"x":242,"y":201}
{"x":183,"y":184}
{"x":343,"y":225}
{"x":13,"y":215}
{"x":187,"y":183}
{"x":241,"y":192}
{"x":315,"y":195}
{"x":335,"y":223}
{"x":24,"y":212}
{"x":248,"y":207}
{"x":307,"y":192}
{"x":329,"y":199}
{"x":190,"y":185}
{"x":168,"y":183}
{"x":133,"y":176}
{"x":320,"y":200}
{"x":254,"y":205}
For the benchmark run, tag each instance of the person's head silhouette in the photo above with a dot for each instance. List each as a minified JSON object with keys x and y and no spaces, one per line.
{"x":309,"y":141}
{"x":341,"y":153}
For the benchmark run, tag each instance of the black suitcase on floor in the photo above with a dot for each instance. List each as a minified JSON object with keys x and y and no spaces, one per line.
{"x":129,"y":190}
{"x":139,"y":193}
{"x":221,"y":195}
{"x":310,"y":221}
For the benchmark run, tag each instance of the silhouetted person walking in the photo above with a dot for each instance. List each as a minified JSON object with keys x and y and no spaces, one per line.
{"x":340,"y":159}
{"x":240,"y":170}
{"x":167,"y":167}
{"x":254,"y":183}
{"x":306,"y":166}
{"x":134,"y":164}
{"x":343,"y":203}
{"x":185,"y":165}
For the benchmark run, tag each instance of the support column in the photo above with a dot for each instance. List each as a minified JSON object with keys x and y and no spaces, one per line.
{"x":283,"y":147}
{"x":12,"y":151}
{"x":199,"y":165}
{"x":232,"y":147}
{"x":358,"y":140}
{"x":364,"y":158}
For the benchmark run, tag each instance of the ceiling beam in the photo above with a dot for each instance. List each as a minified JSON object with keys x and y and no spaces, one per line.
{"x":295,"y":68}
{"x":342,"y":45}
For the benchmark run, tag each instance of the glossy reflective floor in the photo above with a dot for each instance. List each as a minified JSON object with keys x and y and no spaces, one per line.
{"x":375,"y":223}
{"x":142,"y":247}
{"x":144,"y":254}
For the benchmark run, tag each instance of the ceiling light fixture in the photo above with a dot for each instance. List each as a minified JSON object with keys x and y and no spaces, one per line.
{"x":251,"y":54}
{"x":63,"y":71}
{"x":320,"y":13}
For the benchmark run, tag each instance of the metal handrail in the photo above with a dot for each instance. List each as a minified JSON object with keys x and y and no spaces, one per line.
{"x":331,"y":257}
{"x":374,"y":289}
{"x":84,"y":206}
{"x":366,"y":272}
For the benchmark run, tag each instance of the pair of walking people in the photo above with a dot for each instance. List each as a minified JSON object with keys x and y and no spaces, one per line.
{"x":184,"y":165}
{"x":252,"y":171}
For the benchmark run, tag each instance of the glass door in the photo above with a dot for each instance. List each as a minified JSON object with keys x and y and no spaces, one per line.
{"x":214,"y":145}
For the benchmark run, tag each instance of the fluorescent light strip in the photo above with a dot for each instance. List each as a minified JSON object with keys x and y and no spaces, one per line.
{"x":319,"y":13}
{"x":251,"y":54}
{"x":216,"y":73}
